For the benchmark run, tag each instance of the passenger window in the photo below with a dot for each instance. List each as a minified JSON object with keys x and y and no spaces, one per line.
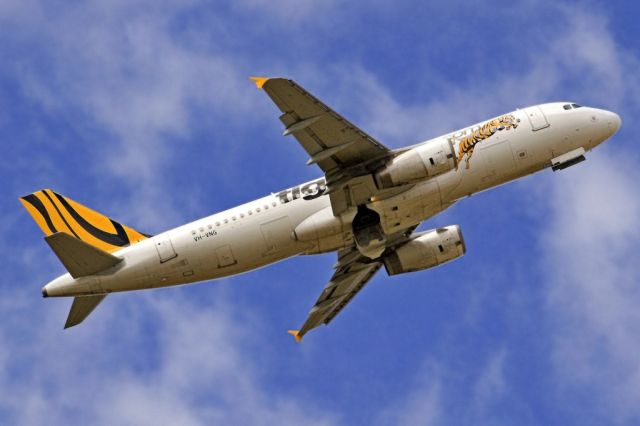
{"x":258,"y":210}
{"x":576,"y":106}
{"x":567,"y":106}
{"x":217,"y":223}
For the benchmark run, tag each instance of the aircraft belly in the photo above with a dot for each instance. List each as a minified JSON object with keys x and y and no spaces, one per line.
{"x":410,"y":207}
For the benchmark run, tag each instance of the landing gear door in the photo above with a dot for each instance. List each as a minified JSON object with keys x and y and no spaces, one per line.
{"x":165,"y":249}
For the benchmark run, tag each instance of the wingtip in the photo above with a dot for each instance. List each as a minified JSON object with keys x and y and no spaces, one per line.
{"x":296,"y":334}
{"x":260,"y":81}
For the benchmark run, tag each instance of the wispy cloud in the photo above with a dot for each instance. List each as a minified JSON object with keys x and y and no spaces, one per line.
{"x":420,"y":405}
{"x":133,"y":80}
{"x":592,"y":280}
{"x":200,"y":370}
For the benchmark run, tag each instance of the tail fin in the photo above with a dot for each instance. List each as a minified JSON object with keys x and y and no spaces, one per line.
{"x":55,"y":213}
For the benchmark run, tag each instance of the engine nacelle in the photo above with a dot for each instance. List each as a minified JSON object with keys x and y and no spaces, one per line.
{"x":424,"y":161}
{"x":426,"y":250}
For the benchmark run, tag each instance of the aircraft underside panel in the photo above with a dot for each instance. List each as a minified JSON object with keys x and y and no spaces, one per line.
{"x":277,"y":234}
{"x":225,"y":256}
{"x":409,"y":208}
{"x":165,"y":249}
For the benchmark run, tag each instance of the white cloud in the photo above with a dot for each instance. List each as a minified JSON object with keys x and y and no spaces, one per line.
{"x":135,"y":83}
{"x":593,"y":276}
{"x":421,"y":404}
{"x":490,"y":385}
{"x":433,"y":398}
{"x":200,"y":370}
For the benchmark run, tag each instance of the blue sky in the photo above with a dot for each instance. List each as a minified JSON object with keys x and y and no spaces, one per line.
{"x":143,"y":111}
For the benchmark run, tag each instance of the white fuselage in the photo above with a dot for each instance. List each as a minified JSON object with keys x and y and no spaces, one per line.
{"x":268,"y":230}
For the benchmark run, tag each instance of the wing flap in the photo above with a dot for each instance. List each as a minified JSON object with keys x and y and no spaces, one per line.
{"x":81,"y":259}
{"x":81,"y":308}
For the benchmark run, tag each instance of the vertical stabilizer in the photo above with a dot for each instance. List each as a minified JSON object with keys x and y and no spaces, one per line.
{"x":56,"y":213}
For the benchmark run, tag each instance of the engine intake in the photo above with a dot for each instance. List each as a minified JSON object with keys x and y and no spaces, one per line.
{"x":426,"y":250}
{"x":424,"y":161}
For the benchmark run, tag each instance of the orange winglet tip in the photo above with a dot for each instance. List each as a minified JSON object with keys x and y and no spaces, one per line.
{"x":260,"y":81}
{"x":296,"y":334}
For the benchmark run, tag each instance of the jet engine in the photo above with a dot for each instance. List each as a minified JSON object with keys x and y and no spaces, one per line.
{"x":424,"y":161}
{"x":426,"y":250}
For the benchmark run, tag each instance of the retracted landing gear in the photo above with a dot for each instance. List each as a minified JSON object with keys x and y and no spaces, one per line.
{"x":367,"y":231}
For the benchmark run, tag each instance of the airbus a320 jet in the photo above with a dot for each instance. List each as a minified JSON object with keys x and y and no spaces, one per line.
{"x":366,"y":207}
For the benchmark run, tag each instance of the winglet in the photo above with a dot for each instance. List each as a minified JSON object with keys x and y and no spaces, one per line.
{"x":260,"y":81}
{"x":296,"y":334}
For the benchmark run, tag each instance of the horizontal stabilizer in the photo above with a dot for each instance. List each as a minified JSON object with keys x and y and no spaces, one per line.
{"x":81,"y":308}
{"x":80,"y":258}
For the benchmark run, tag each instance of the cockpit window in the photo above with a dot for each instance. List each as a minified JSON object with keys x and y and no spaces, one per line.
{"x":566,"y":106}
{"x":576,"y":106}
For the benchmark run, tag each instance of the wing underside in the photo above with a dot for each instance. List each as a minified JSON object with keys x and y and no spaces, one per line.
{"x":352,"y":273}
{"x":332,"y":142}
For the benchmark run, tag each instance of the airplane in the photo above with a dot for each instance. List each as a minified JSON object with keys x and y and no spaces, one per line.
{"x":366,"y":207}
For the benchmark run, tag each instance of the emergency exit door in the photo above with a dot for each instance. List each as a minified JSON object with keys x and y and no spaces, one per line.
{"x":536,"y":117}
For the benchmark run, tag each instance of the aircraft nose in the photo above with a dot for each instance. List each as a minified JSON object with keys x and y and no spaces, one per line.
{"x":612,"y":121}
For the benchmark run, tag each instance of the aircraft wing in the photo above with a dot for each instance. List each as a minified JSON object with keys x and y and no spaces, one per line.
{"x":352,"y":272}
{"x":332,"y":142}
